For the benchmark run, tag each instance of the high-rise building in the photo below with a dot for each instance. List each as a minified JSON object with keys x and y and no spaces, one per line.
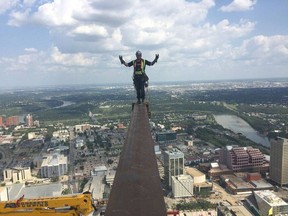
{"x":279,"y":161}
{"x":173,"y":164}
{"x":1,"y":121}
{"x":12,"y":121}
{"x":241,"y":158}
{"x":29,"y":120}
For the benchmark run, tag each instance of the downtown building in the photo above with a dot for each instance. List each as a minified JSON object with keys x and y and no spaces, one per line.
{"x":29,"y":120}
{"x":17,"y":174}
{"x":173,"y":164}
{"x":265,"y":202}
{"x":12,"y":121}
{"x":279,"y":161}
{"x":182,"y":186}
{"x":242,"y":158}
{"x":54,"y":165}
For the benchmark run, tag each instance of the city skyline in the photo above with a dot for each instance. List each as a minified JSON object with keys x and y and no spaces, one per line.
{"x":55,"y":42}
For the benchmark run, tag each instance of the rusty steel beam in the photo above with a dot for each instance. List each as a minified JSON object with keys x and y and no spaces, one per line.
{"x":137,"y":190}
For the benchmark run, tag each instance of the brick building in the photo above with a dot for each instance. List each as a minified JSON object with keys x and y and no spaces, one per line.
{"x":241,"y":158}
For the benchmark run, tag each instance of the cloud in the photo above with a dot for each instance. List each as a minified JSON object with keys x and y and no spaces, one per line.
{"x":78,"y":59}
{"x":239,"y":5}
{"x":86,"y":37}
{"x":266,"y":49}
{"x":7,"y":5}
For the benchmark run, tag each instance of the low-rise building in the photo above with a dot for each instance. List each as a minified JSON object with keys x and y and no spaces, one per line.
{"x":198,"y":177}
{"x":233,"y":210}
{"x":17,"y":174}
{"x":13,"y":192}
{"x":54,"y":166}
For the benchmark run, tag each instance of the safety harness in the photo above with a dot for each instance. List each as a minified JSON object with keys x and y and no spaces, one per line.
{"x":139,"y":67}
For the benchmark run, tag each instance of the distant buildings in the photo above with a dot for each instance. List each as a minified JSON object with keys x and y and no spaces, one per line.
{"x":54,"y":166}
{"x":82,"y":127}
{"x":12,"y":121}
{"x":188,"y":142}
{"x":173,"y":164}
{"x":279,"y":161}
{"x":241,"y":158}
{"x":29,"y":120}
{"x":79,"y":142}
{"x":63,"y":134}
{"x":244,"y":183}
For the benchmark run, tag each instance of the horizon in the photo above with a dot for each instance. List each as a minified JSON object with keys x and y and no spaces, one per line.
{"x":64,"y":86}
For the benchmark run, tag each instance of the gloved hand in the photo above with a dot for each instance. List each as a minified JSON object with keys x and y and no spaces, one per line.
{"x":121,"y":59}
{"x":156,"y":57}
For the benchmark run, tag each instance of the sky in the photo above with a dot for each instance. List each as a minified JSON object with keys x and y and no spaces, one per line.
{"x":63,"y":42}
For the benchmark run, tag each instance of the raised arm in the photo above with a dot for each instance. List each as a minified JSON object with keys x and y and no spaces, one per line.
{"x":122,"y":61}
{"x":155,"y":60}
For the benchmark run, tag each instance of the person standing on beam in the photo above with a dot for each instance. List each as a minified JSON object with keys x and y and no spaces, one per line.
{"x":140,"y":78}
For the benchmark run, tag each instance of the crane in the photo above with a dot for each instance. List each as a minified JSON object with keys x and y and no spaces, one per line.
{"x":71,"y":205}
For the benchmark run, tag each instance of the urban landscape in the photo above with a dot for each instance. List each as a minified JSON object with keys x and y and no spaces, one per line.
{"x":221,"y":147}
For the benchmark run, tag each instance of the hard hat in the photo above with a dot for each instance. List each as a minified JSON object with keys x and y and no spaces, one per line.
{"x":138,"y":53}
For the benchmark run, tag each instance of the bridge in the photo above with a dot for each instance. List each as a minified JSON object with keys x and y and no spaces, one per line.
{"x":137,"y":190}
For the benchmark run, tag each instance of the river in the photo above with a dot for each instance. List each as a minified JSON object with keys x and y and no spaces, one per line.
{"x":65,"y":103}
{"x":238,"y":125}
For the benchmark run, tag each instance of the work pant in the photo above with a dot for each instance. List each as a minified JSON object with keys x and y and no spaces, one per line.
{"x":139,"y":86}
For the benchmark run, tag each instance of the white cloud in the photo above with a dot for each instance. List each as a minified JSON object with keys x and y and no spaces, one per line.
{"x":31,"y":50}
{"x":90,"y":30}
{"x":267,"y":49}
{"x":239,"y":5}
{"x":78,"y":59}
{"x":88,"y":35}
{"x":6,"y":5}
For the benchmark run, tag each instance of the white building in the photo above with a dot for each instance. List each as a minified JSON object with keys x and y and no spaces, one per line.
{"x":3,"y":194}
{"x":270,"y":204}
{"x":29,"y":120}
{"x":182,"y":186}
{"x":31,"y":135}
{"x":110,"y":176}
{"x":188,"y":142}
{"x":54,"y":166}
{"x":63,"y":135}
{"x":79,"y":142}
{"x":99,"y":171}
{"x":17,"y":174}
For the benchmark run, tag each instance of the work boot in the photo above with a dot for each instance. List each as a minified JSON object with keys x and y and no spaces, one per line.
{"x":142,"y":100}
{"x":138,"y":101}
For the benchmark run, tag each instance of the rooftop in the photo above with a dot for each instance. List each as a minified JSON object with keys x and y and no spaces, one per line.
{"x":193,"y":171}
{"x":270,"y":198}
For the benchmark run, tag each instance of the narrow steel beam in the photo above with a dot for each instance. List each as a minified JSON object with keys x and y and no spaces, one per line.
{"x":136,"y":190}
